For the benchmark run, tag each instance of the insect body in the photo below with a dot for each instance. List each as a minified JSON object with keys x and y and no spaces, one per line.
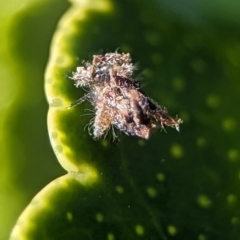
{"x":117,"y":99}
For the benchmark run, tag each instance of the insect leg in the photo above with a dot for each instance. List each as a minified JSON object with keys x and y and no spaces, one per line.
{"x":80,"y":100}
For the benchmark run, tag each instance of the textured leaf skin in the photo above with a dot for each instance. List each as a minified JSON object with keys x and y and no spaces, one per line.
{"x":43,"y":219}
{"x":174,"y":186}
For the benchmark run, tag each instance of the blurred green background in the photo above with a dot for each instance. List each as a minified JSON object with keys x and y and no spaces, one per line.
{"x":198,"y":55}
{"x":27,"y":160}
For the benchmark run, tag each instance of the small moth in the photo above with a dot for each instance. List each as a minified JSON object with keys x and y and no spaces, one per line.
{"x":117,"y":98}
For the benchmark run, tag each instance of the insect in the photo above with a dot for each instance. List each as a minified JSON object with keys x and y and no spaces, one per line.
{"x":117,"y":98}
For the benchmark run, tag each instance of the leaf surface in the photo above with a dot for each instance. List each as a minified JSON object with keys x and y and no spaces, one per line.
{"x":175,"y":185}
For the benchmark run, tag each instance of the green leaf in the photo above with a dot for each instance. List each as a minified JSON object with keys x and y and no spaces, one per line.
{"x":175,"y":185}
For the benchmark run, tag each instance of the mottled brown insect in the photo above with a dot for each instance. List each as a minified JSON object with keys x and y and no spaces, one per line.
{"x":117,"y":99}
